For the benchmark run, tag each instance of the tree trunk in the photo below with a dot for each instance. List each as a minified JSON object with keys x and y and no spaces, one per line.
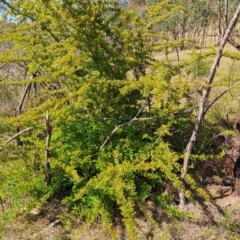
{"x":203,"y":101}
{"x":48,"y":175}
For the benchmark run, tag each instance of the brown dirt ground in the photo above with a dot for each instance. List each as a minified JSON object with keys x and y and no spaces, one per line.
{"x":218,"y":219}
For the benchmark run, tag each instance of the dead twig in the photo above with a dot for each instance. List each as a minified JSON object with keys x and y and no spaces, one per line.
{"x":18,"y":134}
{"x":139,"y":119}
{"x":26,"y":90}
{"x":45,"y":230}
{"x":219,"y":96}
{"x":135,"y":118}
{"x":4,"y":64}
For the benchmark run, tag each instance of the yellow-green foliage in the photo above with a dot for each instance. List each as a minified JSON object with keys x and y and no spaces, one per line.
{"x":116,"y":140}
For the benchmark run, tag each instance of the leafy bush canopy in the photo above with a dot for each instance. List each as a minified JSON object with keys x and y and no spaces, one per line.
{"x":120,"y":118}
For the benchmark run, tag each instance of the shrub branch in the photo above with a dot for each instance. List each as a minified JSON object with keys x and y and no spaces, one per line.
{"x":203,"y":101}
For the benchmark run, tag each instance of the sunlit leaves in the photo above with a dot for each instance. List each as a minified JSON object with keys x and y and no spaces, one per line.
{"x":90,"y":65}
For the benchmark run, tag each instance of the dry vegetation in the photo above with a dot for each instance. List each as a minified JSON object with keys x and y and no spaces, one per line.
{"x":217,"y":219}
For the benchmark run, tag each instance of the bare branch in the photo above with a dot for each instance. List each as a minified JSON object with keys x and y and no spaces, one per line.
{"x":5,"y":77}
{"x":219,"y":18}
{"x":48,"y":137}
{"x":203,"y":101}
{"x":141,"y":109}
{"x":234,"y":43}
{"x":44,"y":230}
{"x":106,"y":140}
{"x":122,"y":125}
{"x":140,"y":119}
{"x":26,"y":90}
{"x":225,"y":14}
{"x":230,"y":39}
{"x":18,"y":134}
{"x":4,"y":64}
{"x":219,"y":96}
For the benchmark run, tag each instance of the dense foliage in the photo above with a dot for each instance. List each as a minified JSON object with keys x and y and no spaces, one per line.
{"x":120,"y":118}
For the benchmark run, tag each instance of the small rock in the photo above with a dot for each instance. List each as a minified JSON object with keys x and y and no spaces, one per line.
{"x":35,"y":211}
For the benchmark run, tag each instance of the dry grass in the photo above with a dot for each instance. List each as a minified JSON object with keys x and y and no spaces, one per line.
{"x":227,"y":74}
{"x":217,"y":219}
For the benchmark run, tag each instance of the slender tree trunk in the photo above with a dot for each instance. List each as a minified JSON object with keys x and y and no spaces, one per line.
{"x":203,"y":101}
{"x":48,"y":176}
{"x":21,"y":106}
{"x":225,"y":13}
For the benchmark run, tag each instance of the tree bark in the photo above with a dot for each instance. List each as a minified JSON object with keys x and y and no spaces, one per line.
{"x":226,"y":13}
{"x":203,"y":101}
{"x":48,"y":175}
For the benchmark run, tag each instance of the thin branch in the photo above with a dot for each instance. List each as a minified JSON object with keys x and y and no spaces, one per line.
{"x":18,"y":134}
{"x":225,"y":14}
{"x":106,"y":140}
{"x":48,"y":137}
{"x":234,"y":43}
{"x":230,"y":39}
{"x":219,"y":18}
{"x":26,"y":90}
{"x":140,"y":119}
{"x":48,"y":175}
{"x":235,"y":98}
{"x":42,"y":231}
{"x":219,"y":96}
{"x":1,"y":202}
{"x":4,"y":64}
{"x":122,"y":125}
{"x":5,"y":77}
